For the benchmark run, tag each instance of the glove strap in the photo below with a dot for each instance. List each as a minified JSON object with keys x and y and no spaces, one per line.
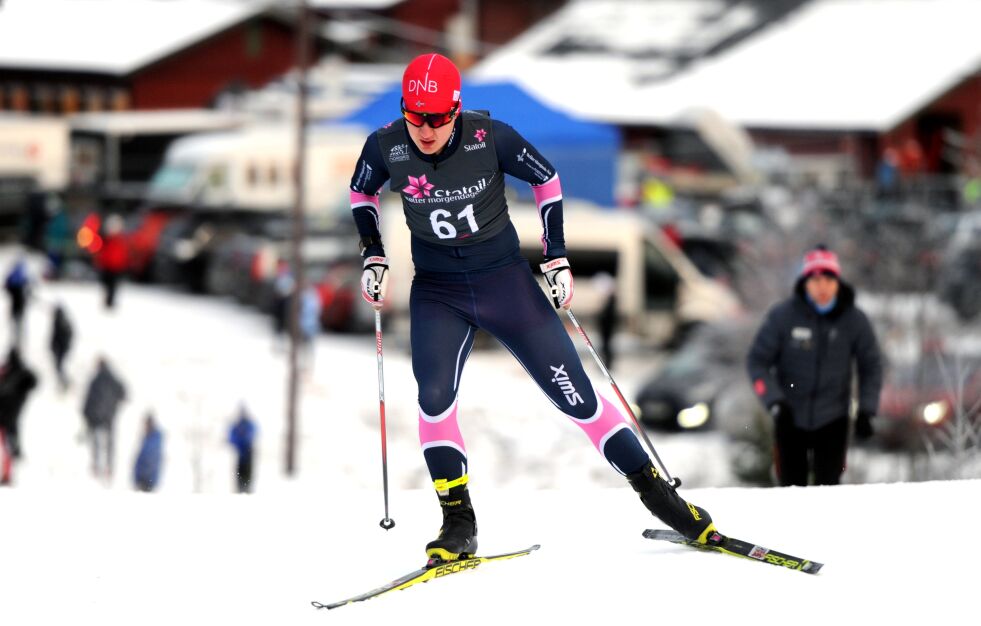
{"x":554,"y":265}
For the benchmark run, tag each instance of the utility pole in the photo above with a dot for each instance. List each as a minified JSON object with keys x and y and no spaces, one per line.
{"x":299,"y":284}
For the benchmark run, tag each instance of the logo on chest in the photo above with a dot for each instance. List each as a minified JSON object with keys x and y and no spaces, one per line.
{"x":399,"y":153}
{"x":802,"y":336}
{"x":480,"y":145}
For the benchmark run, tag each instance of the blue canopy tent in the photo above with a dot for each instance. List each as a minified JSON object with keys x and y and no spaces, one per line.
{"x":584,"y":153}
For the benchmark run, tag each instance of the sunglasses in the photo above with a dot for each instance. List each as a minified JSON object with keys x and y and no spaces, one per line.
{"x":435,"y":120}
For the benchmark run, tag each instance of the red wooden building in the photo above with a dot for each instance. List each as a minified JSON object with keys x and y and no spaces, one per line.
{"x":65,"y":56}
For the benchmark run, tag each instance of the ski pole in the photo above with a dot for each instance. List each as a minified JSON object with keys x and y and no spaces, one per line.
{"x":673,"y":481}
{"x":387,"y":523}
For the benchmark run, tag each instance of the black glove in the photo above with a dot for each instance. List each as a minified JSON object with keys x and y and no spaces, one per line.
{"x":780,"y":411}
{"x":863,"y":426}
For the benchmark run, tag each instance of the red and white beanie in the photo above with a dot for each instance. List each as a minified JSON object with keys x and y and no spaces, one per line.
{"x":820,"y":260}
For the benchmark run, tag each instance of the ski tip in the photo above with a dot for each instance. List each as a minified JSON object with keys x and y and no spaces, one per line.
{"x":812,"y":567}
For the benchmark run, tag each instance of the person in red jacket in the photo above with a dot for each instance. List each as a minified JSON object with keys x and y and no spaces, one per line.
{"x":112,"y":259}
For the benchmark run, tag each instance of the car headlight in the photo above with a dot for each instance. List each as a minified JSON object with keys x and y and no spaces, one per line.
{"x":935,"y":412}
{"x":693,"y":416}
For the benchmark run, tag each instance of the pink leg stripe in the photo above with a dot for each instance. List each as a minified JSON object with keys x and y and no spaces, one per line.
{"x":601,"y":427}
{"x":441,"y":430}
{"x":547,"y":192}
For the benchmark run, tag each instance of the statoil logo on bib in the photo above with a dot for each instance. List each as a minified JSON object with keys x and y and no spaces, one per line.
{"x":421,"y":190}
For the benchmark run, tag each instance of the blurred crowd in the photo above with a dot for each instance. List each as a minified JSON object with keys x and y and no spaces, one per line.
{"x":100,"y":398}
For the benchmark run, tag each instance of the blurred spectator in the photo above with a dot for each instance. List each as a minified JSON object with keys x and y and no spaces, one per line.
{"x":61,"y":343}
{"x":310,"y":309}
{"x":18,"y":284}
{"x":801,"y":365}
{"x":58,"y":240}
{"x":606,"y":287}
{"x":111,"y":259}
{"x":971,"y":192}
{"x":911,"y":158}
{"x":16,"y":383}
{"x":40,"y":205}
{"x":102,"y":400}
{"x":242,"y":437}
{"x":887,"y":174}
{"x":283,"y":285}
{"x":146,"y":471}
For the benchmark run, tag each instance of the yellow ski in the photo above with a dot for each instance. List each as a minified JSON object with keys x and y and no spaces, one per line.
{"x":429,"y":572}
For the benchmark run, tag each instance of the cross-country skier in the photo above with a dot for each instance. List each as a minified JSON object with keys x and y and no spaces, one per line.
{"x":448,"y":167}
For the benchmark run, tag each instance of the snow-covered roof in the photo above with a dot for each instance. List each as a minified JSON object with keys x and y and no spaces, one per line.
{"x":862,"y":64}
{"x":109,"y":36}
{"x":365,"y":5}
{"x":156,"y":122}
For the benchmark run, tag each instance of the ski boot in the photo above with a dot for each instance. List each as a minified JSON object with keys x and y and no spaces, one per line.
{"x":663,"y":501}
{"x":458,"y":535}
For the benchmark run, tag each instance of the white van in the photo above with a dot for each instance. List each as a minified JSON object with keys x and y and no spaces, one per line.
{"x":659,"y":291}
{"x":251,"y":169}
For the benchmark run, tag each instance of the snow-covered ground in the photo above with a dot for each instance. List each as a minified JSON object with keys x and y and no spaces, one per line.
{"x":77,"y":551}
{"x":894,"y":554}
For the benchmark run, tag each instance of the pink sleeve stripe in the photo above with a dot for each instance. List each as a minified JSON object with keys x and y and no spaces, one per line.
{"x":550,"y":191}
{"x":363,"y":199}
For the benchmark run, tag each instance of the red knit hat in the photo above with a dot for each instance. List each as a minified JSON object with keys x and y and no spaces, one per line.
{"x":821,"y":260}
{"x":431,"y":84}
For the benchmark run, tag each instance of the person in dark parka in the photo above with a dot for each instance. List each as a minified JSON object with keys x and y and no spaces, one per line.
{"x":61,"y":343}
{"x":102,"y":400}
{"x":16,"y":383}
{"x":801,"y":364}
{"x":18,"y":288}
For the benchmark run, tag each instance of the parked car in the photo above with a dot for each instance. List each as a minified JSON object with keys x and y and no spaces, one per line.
{"x":187,"y":244}
{"x":920,"y":400}
{"x":688,"y":392}
{"x":243,"y":264}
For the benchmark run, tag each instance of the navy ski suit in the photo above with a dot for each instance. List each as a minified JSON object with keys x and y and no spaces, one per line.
{"x":470,"y":275}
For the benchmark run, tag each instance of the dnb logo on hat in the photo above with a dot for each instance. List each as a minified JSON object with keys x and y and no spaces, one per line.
{"x":431,"y":84}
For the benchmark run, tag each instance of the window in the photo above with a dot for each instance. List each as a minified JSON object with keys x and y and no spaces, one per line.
{"x":70,"y":99}
{"x":18,"y":99}
{"x":94,"y":100}
{"x":43,"y":99}
{"x":119,"y":100}
{"x":172,"y":177}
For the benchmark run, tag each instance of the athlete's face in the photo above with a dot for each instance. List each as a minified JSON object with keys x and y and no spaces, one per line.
{"x":822,"y":288}
{"x":431,"y":140}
